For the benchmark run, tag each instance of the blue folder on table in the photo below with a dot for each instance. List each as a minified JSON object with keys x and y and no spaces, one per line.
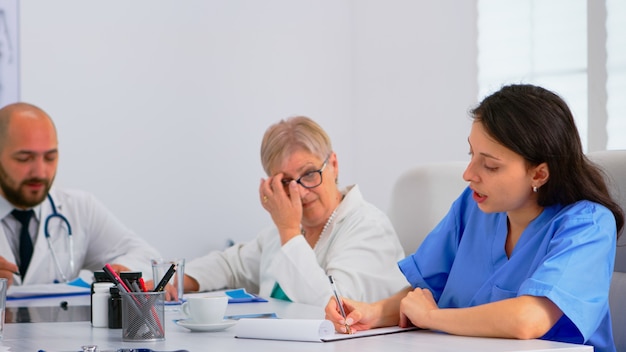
{"x":76,"y":287}
{"x":240,"y":295}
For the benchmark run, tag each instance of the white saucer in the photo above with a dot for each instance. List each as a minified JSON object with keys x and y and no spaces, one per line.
{"x":193,"y":326}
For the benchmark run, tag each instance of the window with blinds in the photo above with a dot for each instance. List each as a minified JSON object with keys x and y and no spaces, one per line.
{"x":616,"y":69}
{"x":545,"y":43}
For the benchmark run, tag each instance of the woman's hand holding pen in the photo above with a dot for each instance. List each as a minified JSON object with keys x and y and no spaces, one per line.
{"x":359,"y":315}
{"x":285,"y":208}
{"x":364,"y":316}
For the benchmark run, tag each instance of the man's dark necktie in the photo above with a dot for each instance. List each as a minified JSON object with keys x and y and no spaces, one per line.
{"x":26,"y":243}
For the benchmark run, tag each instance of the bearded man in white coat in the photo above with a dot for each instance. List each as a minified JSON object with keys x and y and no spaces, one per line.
{"x":69,"y":230}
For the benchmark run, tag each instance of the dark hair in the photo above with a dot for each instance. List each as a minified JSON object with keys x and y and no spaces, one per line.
{"x":538,"y":125}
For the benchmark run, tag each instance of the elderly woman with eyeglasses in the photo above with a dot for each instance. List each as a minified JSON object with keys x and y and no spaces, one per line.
{"x":319,"y":230}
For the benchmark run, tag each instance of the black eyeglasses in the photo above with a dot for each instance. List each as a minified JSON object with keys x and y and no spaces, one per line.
{"x":311,"y":179}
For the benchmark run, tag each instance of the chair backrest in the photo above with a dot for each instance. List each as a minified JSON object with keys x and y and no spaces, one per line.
{"x":613,"y":162}
{"x":617,"y":305}
{"x":421,"y":197}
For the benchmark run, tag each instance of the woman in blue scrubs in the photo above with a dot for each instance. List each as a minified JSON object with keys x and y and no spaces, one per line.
{"x":527,"y":250}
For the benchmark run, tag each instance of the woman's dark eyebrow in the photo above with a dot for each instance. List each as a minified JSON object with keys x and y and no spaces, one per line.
{"x":487,"y":155}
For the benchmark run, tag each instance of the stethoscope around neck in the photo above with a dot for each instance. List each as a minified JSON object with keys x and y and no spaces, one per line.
{"x":46,"y":233}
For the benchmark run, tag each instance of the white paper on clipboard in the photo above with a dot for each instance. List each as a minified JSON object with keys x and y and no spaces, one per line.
{"x":309,"y":330}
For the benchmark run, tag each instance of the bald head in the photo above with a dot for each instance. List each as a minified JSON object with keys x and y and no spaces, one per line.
{"x":20,"y":111}
{"x":28,"y":154}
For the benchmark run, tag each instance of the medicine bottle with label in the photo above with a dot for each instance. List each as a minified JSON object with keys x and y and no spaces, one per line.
{"x":100,"y":304}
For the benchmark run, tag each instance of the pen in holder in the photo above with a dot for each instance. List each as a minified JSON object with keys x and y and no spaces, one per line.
{"x":143,"y":316}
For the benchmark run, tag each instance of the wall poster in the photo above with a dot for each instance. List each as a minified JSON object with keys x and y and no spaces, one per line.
{"x":9,"y":52}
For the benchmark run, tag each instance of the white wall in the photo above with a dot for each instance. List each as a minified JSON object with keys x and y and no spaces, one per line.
{"x":415,"y":78}
{"x":161,"y":105}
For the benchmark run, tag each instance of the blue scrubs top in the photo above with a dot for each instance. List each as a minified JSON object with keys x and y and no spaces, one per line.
{"x":566,"y":254}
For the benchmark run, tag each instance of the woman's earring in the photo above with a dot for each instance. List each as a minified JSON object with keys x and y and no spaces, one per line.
{"x":535,"y":189}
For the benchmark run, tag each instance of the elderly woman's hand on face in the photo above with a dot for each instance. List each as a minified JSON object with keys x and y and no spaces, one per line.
{"x":285,"y":209}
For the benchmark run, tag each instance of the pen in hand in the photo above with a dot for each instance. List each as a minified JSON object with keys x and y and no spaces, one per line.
{"x":339,"y":303}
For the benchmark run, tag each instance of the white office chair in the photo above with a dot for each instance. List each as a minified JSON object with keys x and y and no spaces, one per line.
{"x":421,"y":197}
{"x":613,"y":162}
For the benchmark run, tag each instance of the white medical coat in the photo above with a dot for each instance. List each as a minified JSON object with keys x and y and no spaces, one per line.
{"x":360,"y":249}
{"x":99,"y":238}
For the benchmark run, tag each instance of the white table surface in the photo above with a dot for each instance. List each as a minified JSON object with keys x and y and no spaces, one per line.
{"x":56,"y":337}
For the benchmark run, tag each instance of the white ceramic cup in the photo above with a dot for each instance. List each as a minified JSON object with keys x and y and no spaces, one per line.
{"x":206,"y":310}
